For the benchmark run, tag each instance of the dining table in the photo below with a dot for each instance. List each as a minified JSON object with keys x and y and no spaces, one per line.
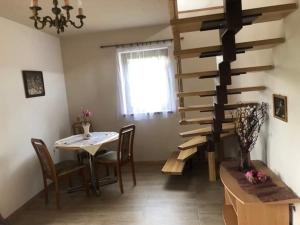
{"x":91,"y":145}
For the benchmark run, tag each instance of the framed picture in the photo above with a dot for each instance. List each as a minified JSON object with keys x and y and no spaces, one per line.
{"x":33,"y":83}
{"x":280,"y":107}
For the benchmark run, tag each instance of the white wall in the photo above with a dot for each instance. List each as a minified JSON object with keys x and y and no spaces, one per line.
{"x":22,"y":48}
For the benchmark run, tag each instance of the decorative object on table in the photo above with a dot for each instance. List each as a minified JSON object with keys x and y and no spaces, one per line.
{"x":60,"y":20}
{"x":249,"y":120}
{"x":33,"y":83}
{"x":78,"y":129}
{"x":256,"y":177}
{"x":280,"y":107}
{"x":85,"y":119}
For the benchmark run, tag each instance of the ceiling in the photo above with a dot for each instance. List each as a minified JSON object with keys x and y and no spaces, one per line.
{"x":101,"y":15}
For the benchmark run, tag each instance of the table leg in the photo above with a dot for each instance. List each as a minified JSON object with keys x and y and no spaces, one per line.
{"x":94,"y":181}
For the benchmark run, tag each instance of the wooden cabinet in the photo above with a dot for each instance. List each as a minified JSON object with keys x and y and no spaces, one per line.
{"x":243,"y":208}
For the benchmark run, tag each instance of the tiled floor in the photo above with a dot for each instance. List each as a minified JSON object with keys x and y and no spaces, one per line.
{"x":156,"y":200}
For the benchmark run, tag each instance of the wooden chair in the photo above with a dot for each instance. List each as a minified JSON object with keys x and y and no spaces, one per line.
{"x":122,"y":156}
{"x":55,"y":172}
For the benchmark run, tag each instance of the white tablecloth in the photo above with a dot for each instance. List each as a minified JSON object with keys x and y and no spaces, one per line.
{"x":91,"y":145}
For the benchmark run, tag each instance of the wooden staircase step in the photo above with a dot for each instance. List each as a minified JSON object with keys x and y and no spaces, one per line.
{"x":216,"y":49}
{"x":215,"y":73}
{"x":194,"y":142}
{"x":262,"y":14}
{"x":206,"y":131}
{"x":210,"y":108}
{"x":211,"y":93}
{"x":229,"y":134}
{"x":173,"y":166}
{"x":184,"y":155}
{"x":204,"y":120}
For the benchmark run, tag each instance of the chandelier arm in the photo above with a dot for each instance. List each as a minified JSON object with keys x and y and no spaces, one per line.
{"x":37,"y":22}
{"x":74,"y":24}
{"x":49,"y":20}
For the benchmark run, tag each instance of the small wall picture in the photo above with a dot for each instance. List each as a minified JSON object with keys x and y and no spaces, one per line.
{"x":280,"y":107}
{"x":33,"y":83}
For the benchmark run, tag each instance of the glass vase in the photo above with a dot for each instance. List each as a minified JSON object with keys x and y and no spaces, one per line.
{"x":245,"y":163}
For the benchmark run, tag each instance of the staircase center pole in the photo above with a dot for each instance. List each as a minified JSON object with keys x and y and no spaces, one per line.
{"x":233,"y":24}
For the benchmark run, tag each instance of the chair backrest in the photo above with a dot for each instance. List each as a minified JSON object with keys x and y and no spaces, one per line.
{"x":78,"y":129}
{"x":126,"y":138}
{"x":45,"y":159}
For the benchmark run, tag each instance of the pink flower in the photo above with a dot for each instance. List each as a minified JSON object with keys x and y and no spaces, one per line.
{"x":249,"y":174}
{"x":256,"y":177}
{"x":85,"y":115}
{"x":262,"y":177}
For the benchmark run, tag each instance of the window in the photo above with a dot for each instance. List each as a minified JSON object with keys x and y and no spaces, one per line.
{"x":146,"y":80}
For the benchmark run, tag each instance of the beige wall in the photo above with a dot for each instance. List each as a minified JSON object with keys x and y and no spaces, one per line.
{"x":277,"y":144}
{"x":91,"y":79}
{"x":282,"y":146}
{"x":22,"y":48}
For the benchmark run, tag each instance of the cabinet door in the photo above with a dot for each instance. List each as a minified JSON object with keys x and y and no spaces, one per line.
{"x":262,"y":214}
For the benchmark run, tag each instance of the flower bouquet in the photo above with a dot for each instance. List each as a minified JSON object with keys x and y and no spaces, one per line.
{"x":249,"y":120}
{"x":256,"y":177}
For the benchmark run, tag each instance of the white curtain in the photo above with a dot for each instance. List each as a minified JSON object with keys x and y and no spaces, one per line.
{"x":146,"y":80}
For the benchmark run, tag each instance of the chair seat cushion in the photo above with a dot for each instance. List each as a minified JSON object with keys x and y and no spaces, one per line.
{"x":110,"y":156}
{"x":68,"y":166}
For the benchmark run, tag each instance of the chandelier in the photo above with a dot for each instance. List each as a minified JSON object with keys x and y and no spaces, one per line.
{"x":60,"y":20}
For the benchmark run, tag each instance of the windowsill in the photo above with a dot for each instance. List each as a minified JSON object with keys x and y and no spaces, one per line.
{"x":148,"y":114}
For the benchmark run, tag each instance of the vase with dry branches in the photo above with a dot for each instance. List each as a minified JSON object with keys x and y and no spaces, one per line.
{"x":249,"y":120}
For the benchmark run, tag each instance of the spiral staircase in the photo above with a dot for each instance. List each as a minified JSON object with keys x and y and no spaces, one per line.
{"x":229,"y":21}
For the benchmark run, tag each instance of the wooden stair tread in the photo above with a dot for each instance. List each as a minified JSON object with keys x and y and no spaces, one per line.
{"x":229,"y":134}
{"x":229,"y":215}
{"x":210,"y":108}
{"x":268,"y":13}
{"x":199,"y":140}
{"x":229,"y":92}
{"x":206,"y":131}
{"x":204,"y":120}
{"x":215,"y":73}
{"x":173,"y":166}
{"x":247,"y":46}
{"x":186,"y":154}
